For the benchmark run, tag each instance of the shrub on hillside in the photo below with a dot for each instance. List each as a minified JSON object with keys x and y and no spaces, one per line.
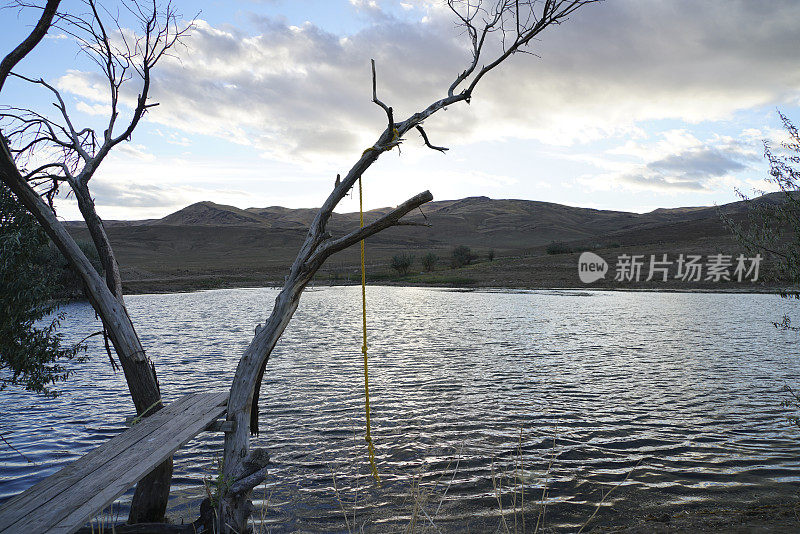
{"x":461,"y":256}
{"x":429,"y":261}
{"x":558,"y":247}
{"x":401,"y":263}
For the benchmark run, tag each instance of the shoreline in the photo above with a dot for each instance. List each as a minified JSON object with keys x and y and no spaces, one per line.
{"x":163,"y":286}
{"x":534,"y":272}
{"x":770,"y":515}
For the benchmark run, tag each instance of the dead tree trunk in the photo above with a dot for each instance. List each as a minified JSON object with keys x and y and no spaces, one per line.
{"x":80,"y":150}
{"x":513,"y":24}
{"x":140,"y":375}
{"x":235,"y":509}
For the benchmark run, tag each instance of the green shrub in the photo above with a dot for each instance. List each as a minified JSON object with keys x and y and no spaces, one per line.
{"x":558,"y":247}
{"x":401,"y":263}
{"x":429,"y":261}
{"x":31,"y":353}
{"x":461,"y":256}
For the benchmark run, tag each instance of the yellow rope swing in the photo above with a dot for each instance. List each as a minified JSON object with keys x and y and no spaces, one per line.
{"x":368,"y":435}
{"x":370,"y":447}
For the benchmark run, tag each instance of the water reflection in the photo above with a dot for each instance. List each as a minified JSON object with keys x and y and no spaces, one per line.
{"x":476,"y":393}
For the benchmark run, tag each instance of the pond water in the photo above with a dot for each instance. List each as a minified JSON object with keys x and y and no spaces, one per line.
{"x":485,"y":405}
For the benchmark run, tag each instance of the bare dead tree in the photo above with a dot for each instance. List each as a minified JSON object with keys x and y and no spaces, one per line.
{"x":496,"y":30}
{"x":40,"y":152}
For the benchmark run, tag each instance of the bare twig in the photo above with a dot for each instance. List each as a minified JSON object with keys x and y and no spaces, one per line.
{"x":13,"y":448}
{"x":428,"y":143}
{"x":605,"y":496}
{"x":387,"y":109}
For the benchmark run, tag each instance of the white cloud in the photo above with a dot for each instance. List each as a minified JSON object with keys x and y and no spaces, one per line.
{"x":138,"y":152}
{"x":677,"y":161}
{"x":302,"y":93}
{"x":100,"y":110}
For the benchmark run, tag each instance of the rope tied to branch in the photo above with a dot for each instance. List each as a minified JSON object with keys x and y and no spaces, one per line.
{"x":388,"y":146}
{"x":368,"y":436}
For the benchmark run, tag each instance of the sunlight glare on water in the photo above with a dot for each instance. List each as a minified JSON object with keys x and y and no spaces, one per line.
{"x":477,"y":393}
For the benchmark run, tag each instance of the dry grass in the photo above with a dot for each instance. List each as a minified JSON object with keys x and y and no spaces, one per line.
{"x":104,"y":522}
{"x":605,"y":496}
{"x":425,"y":500}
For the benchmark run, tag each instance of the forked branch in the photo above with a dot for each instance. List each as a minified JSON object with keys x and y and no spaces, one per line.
{"x":428,"y":143}
{"x":318,"y":245}
{"x":390,"y":219}
{"x":516,"y":23}
{"x":387,"y":109}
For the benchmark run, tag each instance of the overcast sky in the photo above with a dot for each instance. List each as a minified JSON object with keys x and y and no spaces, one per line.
{"x":630,"y":105}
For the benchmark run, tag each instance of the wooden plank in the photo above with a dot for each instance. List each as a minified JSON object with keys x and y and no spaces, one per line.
{"x":221,"y":425}
{"x":45,"y":490}
{"x":100,"y":485}
{"x":132,"y":469}
{"x":38,"y":497}
{"x":73,"y":496}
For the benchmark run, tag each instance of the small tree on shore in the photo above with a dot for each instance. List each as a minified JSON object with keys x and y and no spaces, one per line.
{"x":31,"y":355}
{"x":429,"y":261}
{"x":773,"y":228}
{"x":461,"y":256}
{"x":558,"y":247}
{"x":402,"y":263}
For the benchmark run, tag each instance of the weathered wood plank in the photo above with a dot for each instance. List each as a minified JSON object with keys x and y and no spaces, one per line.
{"x":221,"y":425}
{"x":55,"y":502}
{"x":133,"y":467}
{"x":142,"y":528}
{"x":98,"y":489}
{"x":43,"y":491}
{"x":67,"y":500}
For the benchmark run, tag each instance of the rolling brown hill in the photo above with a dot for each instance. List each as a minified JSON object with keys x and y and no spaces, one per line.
{"x":208,"y":244}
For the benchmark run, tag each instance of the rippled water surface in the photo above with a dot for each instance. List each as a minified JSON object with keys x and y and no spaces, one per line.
{"x":479,"y":399}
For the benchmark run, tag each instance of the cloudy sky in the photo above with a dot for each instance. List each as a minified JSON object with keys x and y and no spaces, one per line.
{"x":629,"y":105}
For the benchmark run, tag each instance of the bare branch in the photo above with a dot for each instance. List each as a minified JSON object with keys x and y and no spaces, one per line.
{"x":75,"y":144}
{"x":39,"y":169}
{"x":30,"y":42}
{"x":390,"y":219}
{"x":428,"y":143}
{"x":387,"y":109}
{"x":527,"y":21}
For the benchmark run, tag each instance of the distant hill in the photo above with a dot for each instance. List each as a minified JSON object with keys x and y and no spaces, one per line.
{"x":219,"y":241}
{"x":210,"y":214}
{"x":474,"y":221}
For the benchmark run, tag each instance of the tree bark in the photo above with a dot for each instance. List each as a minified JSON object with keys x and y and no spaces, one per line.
{"x":152,"y":491}
{"x":100,"y":239}
{"x":30,"y":42}
{"x":235,"y":506}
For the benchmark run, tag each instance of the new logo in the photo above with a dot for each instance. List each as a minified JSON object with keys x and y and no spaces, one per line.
{"x":591,"y":267}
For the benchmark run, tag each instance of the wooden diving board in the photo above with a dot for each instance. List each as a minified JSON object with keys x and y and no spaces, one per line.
{"x":68,"y":499}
